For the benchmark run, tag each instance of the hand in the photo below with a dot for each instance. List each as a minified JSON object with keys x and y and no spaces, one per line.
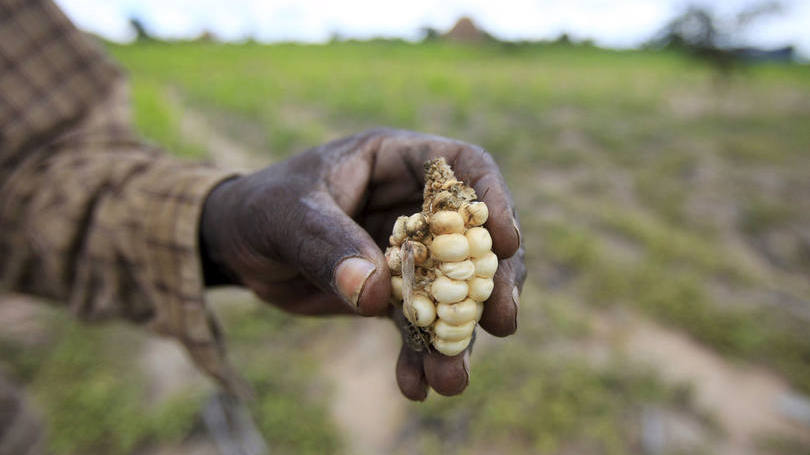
{"x":306,"y":234}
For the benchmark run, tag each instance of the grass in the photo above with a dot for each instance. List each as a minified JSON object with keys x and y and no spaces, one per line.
{"x":156,"y":117}
{"x":76,"y":378}
{"x":641,"y":185}
{"x":649,"y":139}
{"x":525,"y":401}
{"x":543,"y":393}
{"x":671,"y":280}
{"x":291,"y":405}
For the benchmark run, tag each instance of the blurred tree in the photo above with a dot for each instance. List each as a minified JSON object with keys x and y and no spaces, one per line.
{"x":758,"y":10}
{"x":563,"y":39}
{"x":588,"y":42}
{"x":336,"y":37}
{"x":207,"y":36}
{"x":430,"y":34}
{"x":141,"y":34}
{"x":707,"y":37}
{"x":695,"y":31}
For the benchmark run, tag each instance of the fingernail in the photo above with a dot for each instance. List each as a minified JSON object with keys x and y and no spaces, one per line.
{"x":351,"y":275}
{"x":516,"y":302}
{"x":517,"y":230}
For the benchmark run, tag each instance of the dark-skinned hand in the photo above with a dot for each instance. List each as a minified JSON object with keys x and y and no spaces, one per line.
{"x":306,"y":234}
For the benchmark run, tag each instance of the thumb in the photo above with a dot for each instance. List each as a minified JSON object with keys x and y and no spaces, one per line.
{"x":336,"y":254}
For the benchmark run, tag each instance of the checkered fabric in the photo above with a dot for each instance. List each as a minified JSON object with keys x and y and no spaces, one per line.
{"x":89,"y":215}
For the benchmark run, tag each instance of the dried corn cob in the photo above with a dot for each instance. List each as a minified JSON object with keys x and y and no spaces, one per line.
{"x":441,"y":262}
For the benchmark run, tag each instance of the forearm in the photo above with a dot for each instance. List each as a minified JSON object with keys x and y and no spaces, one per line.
{"x":109,"y":226}
{"x":89,"y":215}
{"x":86,"y":219}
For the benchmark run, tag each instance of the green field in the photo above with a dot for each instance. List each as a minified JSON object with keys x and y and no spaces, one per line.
{"x":648,"y":190}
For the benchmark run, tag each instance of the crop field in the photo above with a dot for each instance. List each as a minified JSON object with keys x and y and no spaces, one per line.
{"x":666,"y":216}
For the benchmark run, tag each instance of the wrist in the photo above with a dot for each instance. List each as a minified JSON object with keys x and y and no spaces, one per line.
{"x":214,"y":266}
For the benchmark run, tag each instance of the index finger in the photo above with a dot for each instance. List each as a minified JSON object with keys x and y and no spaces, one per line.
{"x":402,"y":154}
{"x":475,"y":167}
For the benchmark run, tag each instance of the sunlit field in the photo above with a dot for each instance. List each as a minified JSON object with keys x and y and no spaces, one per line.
{"x":665,"y":211}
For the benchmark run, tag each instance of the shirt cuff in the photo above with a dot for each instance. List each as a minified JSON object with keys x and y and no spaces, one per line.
{"x":174,"y":268}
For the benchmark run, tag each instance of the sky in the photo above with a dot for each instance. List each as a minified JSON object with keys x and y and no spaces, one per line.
{"x":610,"y":23}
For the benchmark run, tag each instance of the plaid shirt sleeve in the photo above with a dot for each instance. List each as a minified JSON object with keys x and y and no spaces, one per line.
{"x":89,"y":215}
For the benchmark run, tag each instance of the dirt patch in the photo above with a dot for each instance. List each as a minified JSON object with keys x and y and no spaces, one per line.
{"x":169,"y":369}
{"x":745,"y":399}
{"x":223,"y":150}
{"x":367,"y":404}
{"x":22,"y":319}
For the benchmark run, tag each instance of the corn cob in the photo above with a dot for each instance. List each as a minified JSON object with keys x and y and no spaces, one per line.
{"x":441,"y":263}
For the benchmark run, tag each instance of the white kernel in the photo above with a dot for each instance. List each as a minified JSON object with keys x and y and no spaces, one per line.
{"x":450,"y":348}
{"x":480,"y":288}
{"x":479,"y":241}
{"x":449,"y":332}
{"x":421,"y":311}
{"x":399,"y":233}
{"x":486,"y":265}
{"x":445,"y":290}
{"x":479,"y":310}
{"x":458,"y":270}
{"x":474,"y":213}
{"x":393,"y":256}
{"x":457,"y":313}
{"x":446,"y":222}
{"x":415,"y":224}
{"x":396,"y":287}
{"x":420,"y":252}
{"x":449,"y":247}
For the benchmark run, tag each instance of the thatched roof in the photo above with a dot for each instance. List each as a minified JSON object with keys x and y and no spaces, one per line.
{"x":465,"y":31}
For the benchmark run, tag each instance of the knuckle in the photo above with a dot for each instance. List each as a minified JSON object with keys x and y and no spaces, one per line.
{"x":481,"y":153}
{"x":376,"y":131}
